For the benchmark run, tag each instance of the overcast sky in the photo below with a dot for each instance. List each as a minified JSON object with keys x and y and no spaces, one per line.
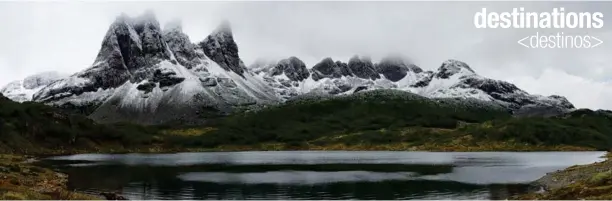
{"x":66,"y":36}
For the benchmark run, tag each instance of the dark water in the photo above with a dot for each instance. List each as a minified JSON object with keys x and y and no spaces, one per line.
{"x":314,"y":174}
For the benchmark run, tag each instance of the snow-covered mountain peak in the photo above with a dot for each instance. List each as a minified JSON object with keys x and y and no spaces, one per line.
{"x":147,"y":75}
{"x":395,"y":68}
{"x":122,"y":26}
{"x":23,"y":90}
{"x":293,"y":68}
{"x":130,"y":47}
{"x":221,"y":48}
{"x":327,"y":68}
{"x":452,"y":67}
{"x":453,"y":79}
{"x":185,"y":52}
{"x":560,"y":100}
{"x":363,"y":67}
{"x":41,"y":79}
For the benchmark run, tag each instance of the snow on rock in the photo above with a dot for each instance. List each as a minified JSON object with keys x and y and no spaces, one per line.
{"x":222,"y":49}
{"x":327,"y":68}
{"x":453,"y":79}
{"x":363,"y":67}
{"x":262,"y":66}
{"x":220,"y":89}
{"x":452,"y":67}
{"x":16,"y":92}
{"x":396,"y":68}
{"x":179,"y":44}
{"x":24,"y":90}
{"x":41,"y":79}
{"x":293,"y":68}
{"x":148,"y":75}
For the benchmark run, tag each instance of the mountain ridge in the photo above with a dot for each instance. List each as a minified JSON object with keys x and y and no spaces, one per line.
{"x":24,"y":90}
{"x":150,"y":75}
{"x":453,"y":79}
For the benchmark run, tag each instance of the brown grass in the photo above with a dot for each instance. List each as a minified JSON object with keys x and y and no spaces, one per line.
{"x":188,"y":132}
{"x":23,"y":181}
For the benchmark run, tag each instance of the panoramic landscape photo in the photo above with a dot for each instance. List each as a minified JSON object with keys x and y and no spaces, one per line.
{"x":305,"y":100}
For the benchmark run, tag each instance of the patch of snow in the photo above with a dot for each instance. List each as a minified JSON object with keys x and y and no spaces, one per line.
{"x":86,"y":98}
{"x":24,"y":90}
{"x":250,"y":84}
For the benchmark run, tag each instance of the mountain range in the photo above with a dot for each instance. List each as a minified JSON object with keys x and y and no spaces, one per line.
{"x":150,"y":75}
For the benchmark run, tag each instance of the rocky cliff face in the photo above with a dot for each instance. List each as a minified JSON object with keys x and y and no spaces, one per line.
{"x":221,"y":48}
{"x":150,"y":75}
{"x":396,"y":68}
{"x":363,"y":68}
{"x":453,"y":79}
{"x":327,"y":68}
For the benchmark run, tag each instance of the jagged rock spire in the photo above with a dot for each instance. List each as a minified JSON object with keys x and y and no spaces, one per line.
{"x":293,"y":68}
{"x":130,"y":45}
{"x":327,"y":68}
{"x":363,"y":67}
{"x":220,"y":47}
{"x":180,"y":44}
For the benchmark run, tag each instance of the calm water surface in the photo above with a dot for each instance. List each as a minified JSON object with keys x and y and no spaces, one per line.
{"x":314,"y":174}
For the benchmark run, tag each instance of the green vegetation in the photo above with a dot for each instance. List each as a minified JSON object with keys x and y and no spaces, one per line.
{"x":375,"y":120}
{"x":601,"y":178}
{"x":37,"y":128}
{"x":376,"y":117}
{"x":402,"y":121}
{"x":584,"y":128}
{"x":580,"y":182}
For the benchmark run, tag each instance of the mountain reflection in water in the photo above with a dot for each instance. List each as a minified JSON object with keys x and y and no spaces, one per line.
{"x":315,"y":175}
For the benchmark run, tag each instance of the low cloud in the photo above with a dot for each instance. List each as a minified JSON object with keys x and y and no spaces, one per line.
{"x":66,"y":36}
{"x":582,"y":92}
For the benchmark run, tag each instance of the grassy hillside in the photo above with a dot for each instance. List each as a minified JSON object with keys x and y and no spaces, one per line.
{"x":37,"y":128}
{"x":303,"y":120}
{"x":584,"y":127}
{"x":375,"y":120}
{"x":401,"y":119}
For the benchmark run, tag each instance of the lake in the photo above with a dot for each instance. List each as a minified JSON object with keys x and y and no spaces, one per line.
{"x":381,"y":175}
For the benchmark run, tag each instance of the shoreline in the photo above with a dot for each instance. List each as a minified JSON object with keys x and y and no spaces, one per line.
{"x":480,"y":147}
{"x":579,"y":182}
{"x":22,"y":180}
{"x":554,"y":182}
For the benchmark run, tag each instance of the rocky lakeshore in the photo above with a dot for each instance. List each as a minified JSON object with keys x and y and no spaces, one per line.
{"x":21,"y":180}
{"x":579,"y":182}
